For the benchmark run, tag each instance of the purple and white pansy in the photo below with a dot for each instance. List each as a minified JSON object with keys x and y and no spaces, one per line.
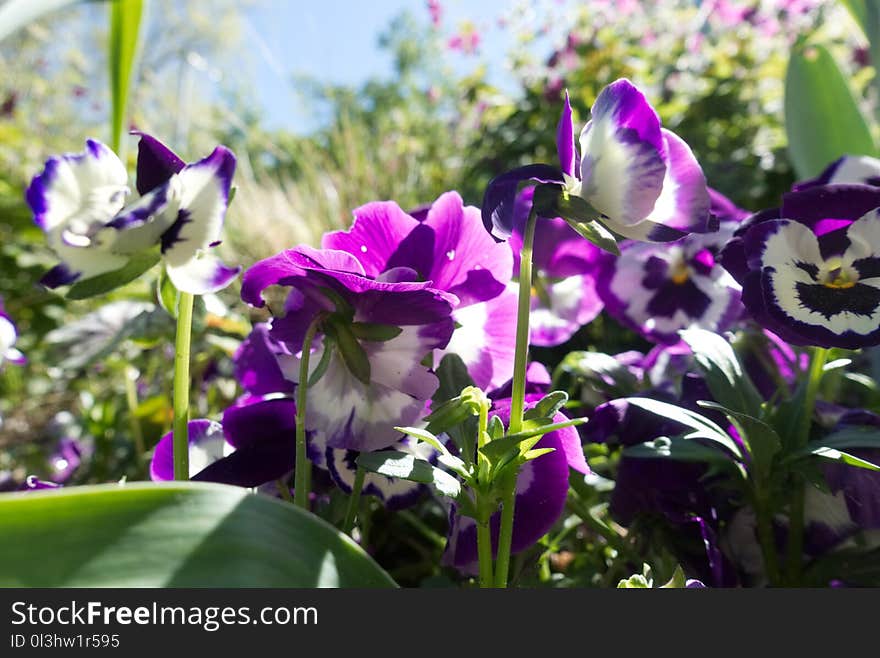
{"x":372,"y":336}
{"x":80,"y":201}
{"x":810,"y":270}
{"x":849,"y":169}
{"x":642,"y":178}
{"x":564,"y":267}
{"x":8,"y":336}
{"x":658,"y":290}
{"x":446,"y":245}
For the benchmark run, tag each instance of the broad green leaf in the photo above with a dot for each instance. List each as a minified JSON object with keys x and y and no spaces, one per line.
{"x":496,"y":427}
{"x":124,"y":41}
{"x":454,"y":378}
{"x":606,"y":372}
{"x":859,"y":11}
{"x":16,"y":14}
{"x":373,"y":331}
{"x":596,"y":233}
{"x":537,"y":452}
{"x":180,"y":534}
{"x":703,"y":428}
{"x":729,"y":384}
{"x":104,"y":283}
{"x":822,"y":119}
{"x":832,"y":454}
{"x":547,"y":406}
{"x":677,"y":448}
{"x":853,"y":437}
{"x":395,"y":464}
{"x":762,"y":440}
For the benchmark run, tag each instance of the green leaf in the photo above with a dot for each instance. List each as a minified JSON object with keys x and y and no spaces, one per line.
{"x":547,"y":406}
{"x":859,"y":12}
{"x":168,"y":295}
{"x":533,"y":429}
{"x":703,"y":428}
{"x":446,"y":458}
{"x":602,"y":370}
{"x":454,"y":378}
{"x":324,"y":363}
{"x":537,"y":452}
{"x":762,"y":440}
{"x":729,"y":384}
{"x":822,"y":119}
{"x":853,"y":437}
{"x":373,"y":331}
{"x":125,"y":22}
{"x":496,"y":427}
{"x":552,"y":201}
{"x":353,"y":353}
{"x":180,"y":534}
{"x":679,"y":449}
{"x":678,"y":580}
{"x":104,"y":283}
{"x":395,"y":464}
{"x":16,"y":14}
{"x":832,"y":454}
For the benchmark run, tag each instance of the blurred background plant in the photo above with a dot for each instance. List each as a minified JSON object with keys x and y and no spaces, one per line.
{"x":441,"y":119}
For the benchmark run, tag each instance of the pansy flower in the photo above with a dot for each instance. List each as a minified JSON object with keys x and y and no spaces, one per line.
{"x":564,"y":269}
{"x":641,"y":177}
{"x":849,"y":169}
{"x":8,"y":336}
{"x":541,"y":491}
{"x":207,"y":445}
{"x":80,"y":201}
{"x":372,"y":336}
{"x":658,"y":290}
{"x":446,"y":244}
{"x":810,"y":270}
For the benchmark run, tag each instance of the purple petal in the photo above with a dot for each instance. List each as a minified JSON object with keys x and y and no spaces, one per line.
{"x":256,"y":364}
{"x":565,"y":144}
{"x":156,"y":163}
{"x":485,"y":339}
{"x":499,"y":200}
{"x":623,"y":155}
{"x":202,"y":275}
{"x":205,"y":446}
{"x":684,"y":202}
{"x":850,"y":169}
{"x":376,"y":236}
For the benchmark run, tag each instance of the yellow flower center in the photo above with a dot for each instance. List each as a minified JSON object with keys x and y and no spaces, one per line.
{"x":680,"y":273}
{"x":838,"y":275}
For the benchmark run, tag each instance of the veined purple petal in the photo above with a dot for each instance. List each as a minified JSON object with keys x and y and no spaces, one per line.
{"x":156,"y":163}
{"x":376,"y":236}
{"x":684,"y":201}
{"x":623,"y":155}
{"x":256,"y":364}
{"x":206,"y":445}
{"x":485,"y":339}
{"x":499,"y":200}
{"x":565,"y":144}
{"x":725,"y":209}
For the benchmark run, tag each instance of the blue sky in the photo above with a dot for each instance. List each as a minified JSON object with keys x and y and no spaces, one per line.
{"x":337,"y":40}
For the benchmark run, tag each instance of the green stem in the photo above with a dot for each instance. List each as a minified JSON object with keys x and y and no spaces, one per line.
{"x":283,"y":490}
{"x":767,"y":541}
{"x":182,"y":345}
{"x":354,"y":501}
{"x":435,"y":538}
{"x":505,"y":534}
{"x":517,"y":401}
{"x":302,"y":470}
{"x":794,"y":554}
{"x":521,"y":356}
{"x":131,"y":400}
{"x":484,"y":551}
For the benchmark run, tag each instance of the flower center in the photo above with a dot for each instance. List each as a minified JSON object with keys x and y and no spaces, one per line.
{"x":837,"y":275}
{"x":680,"y":273}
